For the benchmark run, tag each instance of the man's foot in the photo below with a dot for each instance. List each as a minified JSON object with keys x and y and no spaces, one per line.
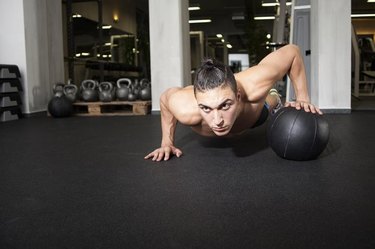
{"x":279,"y":105}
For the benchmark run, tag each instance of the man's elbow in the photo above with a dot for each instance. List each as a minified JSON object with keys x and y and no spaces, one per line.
{"x":292,"y":48}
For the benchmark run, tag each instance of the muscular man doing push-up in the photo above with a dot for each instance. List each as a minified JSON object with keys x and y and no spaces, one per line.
{"x":221,"y":103}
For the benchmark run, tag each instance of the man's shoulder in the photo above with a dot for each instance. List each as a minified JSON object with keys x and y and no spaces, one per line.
{"x":179,"y":94}
{"x":184,"y":106}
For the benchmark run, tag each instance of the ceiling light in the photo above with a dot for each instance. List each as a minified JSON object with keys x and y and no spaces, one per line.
{"x":276,"y":4}
{"x":238,"y":18}
{"x":106,"y":26}
{"x":219,"y":35}
{"x":194,"y":8}
{"x":200,"y":21}
{"x":115,"y":18}
{"x":371,"y":1}
{"x":229,"y":46}
{"x":77,"y":16}
{"x":259,"y":18}
{"x":222,"y":40}
{"x":362,"y":15}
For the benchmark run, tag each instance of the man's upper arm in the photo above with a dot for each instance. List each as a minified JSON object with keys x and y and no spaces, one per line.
{"x":259,"y":79}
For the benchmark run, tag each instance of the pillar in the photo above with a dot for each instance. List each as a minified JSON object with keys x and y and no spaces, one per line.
{"x":169,"y":46}
{"x":331,"y":55}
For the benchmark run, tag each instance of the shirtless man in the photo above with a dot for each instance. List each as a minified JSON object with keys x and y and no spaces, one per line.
{"x":222,"y":104}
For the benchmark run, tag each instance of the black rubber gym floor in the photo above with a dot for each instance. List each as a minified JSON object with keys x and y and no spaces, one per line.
{"x":83,"y":183}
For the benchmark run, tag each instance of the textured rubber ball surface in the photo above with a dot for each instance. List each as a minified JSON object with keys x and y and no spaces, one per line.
{"x":297,"y":135}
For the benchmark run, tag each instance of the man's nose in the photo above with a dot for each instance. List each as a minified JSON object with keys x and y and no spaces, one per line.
{"x":218,"y":118}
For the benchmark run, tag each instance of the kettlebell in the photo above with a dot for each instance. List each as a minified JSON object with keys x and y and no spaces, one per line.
{"x":89,"y":92}
{"x":122,"y":90}
{"x":106,"y":91}
{"x":131,"y":95}
{"x":136,"y":88}
{"x":59,"y":106}
{"x":71,"y":91}
{"x":145,"y":93}
{"x":58,"y":89}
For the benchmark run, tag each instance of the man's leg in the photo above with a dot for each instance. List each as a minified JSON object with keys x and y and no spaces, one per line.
{"x":273,"y":101}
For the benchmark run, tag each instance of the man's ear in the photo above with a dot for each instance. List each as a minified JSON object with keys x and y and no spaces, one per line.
{"x":238,"y":95}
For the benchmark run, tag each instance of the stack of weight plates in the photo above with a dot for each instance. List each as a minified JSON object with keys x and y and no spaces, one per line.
{"x":10,"y":90}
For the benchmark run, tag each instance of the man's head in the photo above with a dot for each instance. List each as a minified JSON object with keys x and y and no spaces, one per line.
{"x":214,"y":74}
{"x":215,"y":89}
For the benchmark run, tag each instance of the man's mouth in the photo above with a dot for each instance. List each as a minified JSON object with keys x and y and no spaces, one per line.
{"x":219,"y":129}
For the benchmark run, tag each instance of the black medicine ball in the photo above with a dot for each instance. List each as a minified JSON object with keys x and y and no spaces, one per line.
{"x":297,"y":135}
{"x":60,"y":106}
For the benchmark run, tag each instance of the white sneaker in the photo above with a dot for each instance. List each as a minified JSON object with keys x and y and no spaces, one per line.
{"x":279,"y":105}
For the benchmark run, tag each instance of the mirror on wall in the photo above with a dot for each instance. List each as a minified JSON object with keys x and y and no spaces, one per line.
{"x":115,"y":44}
{"x":123,"y":49}
{"x":103,"y":40}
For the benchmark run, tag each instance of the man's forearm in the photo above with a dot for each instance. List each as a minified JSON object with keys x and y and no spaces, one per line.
{"x":297,"y":75}
{"x":168,"y":122}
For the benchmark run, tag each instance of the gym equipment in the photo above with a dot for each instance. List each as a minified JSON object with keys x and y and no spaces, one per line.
{"x":88,"y":91}
{"x":106,"y":91}
{"x":10,"y":93}
{"x":145,"y":93}
{"x":122,"y":90}
{"x":58,"y":89}
{"x":297,"y":135}
{"x":60,"y":106}
{"x":71,"y":92}
{"x":136,"y":88}
{"x":131,"y":95}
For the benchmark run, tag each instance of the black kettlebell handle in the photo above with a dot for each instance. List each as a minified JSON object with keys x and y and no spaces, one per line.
{"x":58,"y":87}
{"x":144,"y":83}
{"x":70,"y":88}
{"x":89,"y":84}
{"x":105,"y":86}
{"x":123,"y":81}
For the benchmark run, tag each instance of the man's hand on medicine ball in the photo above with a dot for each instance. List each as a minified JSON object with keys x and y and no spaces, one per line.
{"x":308,"y":107}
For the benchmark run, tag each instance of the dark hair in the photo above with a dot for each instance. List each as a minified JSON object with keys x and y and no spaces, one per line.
{"x":212,"y":74}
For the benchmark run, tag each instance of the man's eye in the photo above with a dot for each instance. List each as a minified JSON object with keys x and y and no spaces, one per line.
{"x":225,"y":106}
{"x":205,"y":109}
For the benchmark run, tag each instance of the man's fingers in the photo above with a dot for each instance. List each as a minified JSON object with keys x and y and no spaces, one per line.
{"x":166,"y":156}
{"x":156,"y":154}
{"x":163,"y":153}
{"x":177,"y":152}
{"x":307,"y":107}
{"x":319,"y":111}
{"x":160,"y":155}
{"x":149,"y":155}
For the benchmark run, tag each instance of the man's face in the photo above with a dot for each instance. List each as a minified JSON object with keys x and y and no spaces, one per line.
{"x":218,"y":108}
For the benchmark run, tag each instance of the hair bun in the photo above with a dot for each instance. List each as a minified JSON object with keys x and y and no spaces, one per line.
{"x":208,"y":64}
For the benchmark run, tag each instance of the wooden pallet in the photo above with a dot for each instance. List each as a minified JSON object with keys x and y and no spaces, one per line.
{"x":114,"y":108}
